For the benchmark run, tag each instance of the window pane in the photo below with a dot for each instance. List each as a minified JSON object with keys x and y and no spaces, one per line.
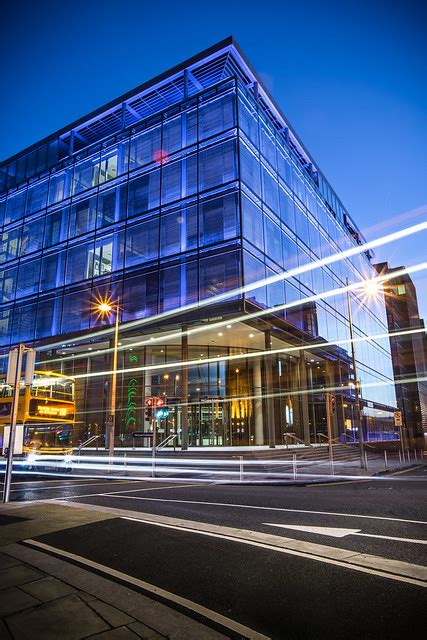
{"x":140,"y":296}
{"x":250,"y":170}
{"x":9,"y":246}
{"x":15,"y":206}
{"x":36,"y":197}
{"x":79,"y":263}
{"x":217,"y":165}
{"x":28,"y":278}
{"x":254,"y":271}
{"x":178,"y":231}
{"x":57,"y":188}
{"x":253,"y":228}
{"x":82,"y":217}
{"x":8,"y":284}
{"x":179,"y":179}
{"x":217,"y":116}
{"x":86,"y":174}
{"x":145,"y":148}
{"x":219,"y":273}
{"x":76,"y":311}
{"x":56,"y":227}
{"x":219,"y":219}
{"x":52,"y":271}
{"x":273,"y":240}
{"x":32,"y":236}
{"x":144,"y":193}
{"x":24,"y":320}
{"x":142,"y":242}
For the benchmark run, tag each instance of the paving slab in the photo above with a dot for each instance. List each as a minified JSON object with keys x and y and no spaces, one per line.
{"x":13,"y":600}
{"x":121,"y":633}
{"x":142,"y":631}
{"x":4,"y":633}
{"x":48,"y":588}
{"x":8,"y":561}
{"x":20,"y":574}
{"x":113,"y":616}
{"x":67,"y":618}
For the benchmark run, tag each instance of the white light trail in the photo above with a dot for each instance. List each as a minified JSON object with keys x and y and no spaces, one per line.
{"x":359,"y":285}
{"x":392,"y":237}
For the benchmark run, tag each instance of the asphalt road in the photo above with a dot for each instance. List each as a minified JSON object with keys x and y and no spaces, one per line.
{"x":245,"y":551}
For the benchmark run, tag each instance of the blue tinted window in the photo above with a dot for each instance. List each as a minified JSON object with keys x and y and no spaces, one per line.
{"x":253,"y":228}
{"x":140,"y":296}
{"x":250,"y":170}
{"x":9,"y":247}
{"x":179,"y":179}
{"x":145,"y":148}
{"x":15,"y":207}
{"x":76,"y":311}
{"x":52,"y":271}
{"x":254,"y":270}
{"x":8,"y":284}
{"x":217,"y":165}
{"x":144,"y":193}
{"x":56,"y":227}
{"x":219,"y":273}
{"x":79,"y":262}
{"x":32,"y":236}
{"x":82,"y":217}
{"x":23,"y":323}
{"x":178,"y":231}
{"x":219,"y":219}
{"x":142,"y":242}
{"x":216,"y":116}
{"x":273,"y":240}
{"x":36,"y":197}
{"x":28,"y":278}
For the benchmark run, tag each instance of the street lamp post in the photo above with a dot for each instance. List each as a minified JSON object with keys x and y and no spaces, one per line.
{"x":106,"y":308}
{"x":356,"y":384}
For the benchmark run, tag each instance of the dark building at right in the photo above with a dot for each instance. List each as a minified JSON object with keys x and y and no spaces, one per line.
{"x":409,"y":352}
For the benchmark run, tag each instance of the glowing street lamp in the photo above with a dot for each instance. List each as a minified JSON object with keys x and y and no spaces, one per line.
{"x":371,"y":289}
{"x":105,"y":308}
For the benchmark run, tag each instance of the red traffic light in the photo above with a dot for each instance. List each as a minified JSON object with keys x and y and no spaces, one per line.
{"x":159,"y":402}
{"x":149,"y":402}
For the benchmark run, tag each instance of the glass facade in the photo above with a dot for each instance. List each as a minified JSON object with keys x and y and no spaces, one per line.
{"x":206,"y":195}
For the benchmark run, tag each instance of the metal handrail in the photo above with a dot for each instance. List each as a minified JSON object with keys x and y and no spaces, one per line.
{"x":295,"y":439}
{"x":166,"y":441}
{"x":88,"y":441}
{"x":334,"y":440}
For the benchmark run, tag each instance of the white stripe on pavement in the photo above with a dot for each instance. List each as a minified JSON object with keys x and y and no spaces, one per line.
{"x":189,"y":605}
{"x":339,"y":532}
{"x":249,"y":506}
{"x":365,"y":563}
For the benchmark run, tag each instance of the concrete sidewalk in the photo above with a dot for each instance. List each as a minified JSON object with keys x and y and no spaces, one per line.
{"x":43,"y":596}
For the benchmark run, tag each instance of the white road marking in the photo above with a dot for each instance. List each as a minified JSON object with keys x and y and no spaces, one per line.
{"x":65,"y":486}
{"x":111,"y":493}
{"x":189,"y":605}
{"x":249,"y":506}
{"x":337,"y":532}
{"x":375,"y":565}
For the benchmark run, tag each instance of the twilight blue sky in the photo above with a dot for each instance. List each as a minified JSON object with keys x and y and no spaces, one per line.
{"x":351,"y":77}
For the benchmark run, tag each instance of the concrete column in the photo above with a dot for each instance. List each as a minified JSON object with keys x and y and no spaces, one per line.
{"x":304,"y":398}
{"x":269,"y":402}
{"x":184,"y":391}
{"x":258,"y":413}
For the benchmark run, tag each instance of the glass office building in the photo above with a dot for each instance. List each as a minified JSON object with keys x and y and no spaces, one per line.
{"x":191,"y":186}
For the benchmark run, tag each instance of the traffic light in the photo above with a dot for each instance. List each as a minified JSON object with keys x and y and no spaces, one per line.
{"x":333,"y":404}
{"x":149,"y":402}
{"x":159,"y":402}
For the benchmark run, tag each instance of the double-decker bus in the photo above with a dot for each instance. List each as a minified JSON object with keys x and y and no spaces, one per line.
{"x":46,"y":409}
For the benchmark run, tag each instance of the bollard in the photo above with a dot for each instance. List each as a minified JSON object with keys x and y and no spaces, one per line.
{"x":385,"y":459}
{"x":366,"y":461}
{"x":294,"y":465}
{"x":241,"y":468}
{"x":400,"y":457}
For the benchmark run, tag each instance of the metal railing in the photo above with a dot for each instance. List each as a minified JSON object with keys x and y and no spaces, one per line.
{"x":88,"y":442}
{"x":171,"y":438}
{"x":294,"y":438}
